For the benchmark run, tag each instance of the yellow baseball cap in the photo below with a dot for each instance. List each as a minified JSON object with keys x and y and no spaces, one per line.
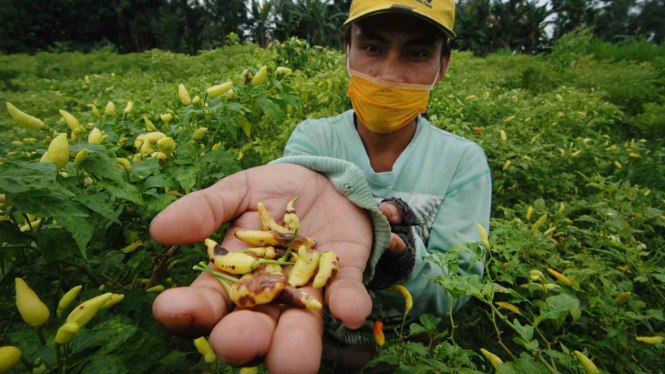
{"x":439,"y":12}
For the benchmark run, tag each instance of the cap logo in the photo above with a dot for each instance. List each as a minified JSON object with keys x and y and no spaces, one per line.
{"x":427,"y":3}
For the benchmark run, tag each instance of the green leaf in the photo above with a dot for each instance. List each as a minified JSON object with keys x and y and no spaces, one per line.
{"x":159,"y":181}
{"x":127,"y":191}
{"x":269,"y":107}
{"x":429,"y":322}
{"x":558,"y":306}
{"x":244,"y":124}
{"x":99,"y":203}
{"x":81,"y":229}
{"x":416,"y":329}
{"x":143,"y":169}
{"x":10,"y":233}
{"x":106,"y":365}
{"x":100,"y":162}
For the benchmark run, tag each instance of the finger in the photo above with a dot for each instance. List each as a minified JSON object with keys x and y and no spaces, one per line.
{"x":396,"y":246}
{"x":391,"y":212}
{"x":192,"y":311}
{"x":347,"y":297}
{"x":243,"y":337}
{"x":197,"y":215}
{"x":297,"y":342}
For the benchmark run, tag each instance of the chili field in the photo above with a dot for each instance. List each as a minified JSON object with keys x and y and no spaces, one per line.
{"x":575,"y":272}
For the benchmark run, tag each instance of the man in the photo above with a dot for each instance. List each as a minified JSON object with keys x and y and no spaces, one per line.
{"x":437,"y":187}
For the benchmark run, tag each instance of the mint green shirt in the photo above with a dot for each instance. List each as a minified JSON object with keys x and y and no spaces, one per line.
{"x":446,"y":181}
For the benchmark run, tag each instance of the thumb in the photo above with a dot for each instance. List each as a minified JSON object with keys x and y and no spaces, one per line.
{"x":391,"y":212}
{"x":347,"y":297}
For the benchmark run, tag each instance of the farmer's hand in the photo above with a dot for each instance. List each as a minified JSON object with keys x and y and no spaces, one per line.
{"x":289,"y":339}
{"x":394,"y":216}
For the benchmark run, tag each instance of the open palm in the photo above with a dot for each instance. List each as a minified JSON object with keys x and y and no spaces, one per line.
{"x":289,"y":339}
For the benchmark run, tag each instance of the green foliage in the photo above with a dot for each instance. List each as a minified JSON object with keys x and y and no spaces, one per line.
{"x":583,"y":145}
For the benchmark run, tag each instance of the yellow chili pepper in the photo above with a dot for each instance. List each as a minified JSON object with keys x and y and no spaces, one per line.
{"x":506,"y":165}
{"x":125,"y":164}
{"x":650,"y":339}
{"x":94,"y":110}
{"x":67,"y":332}
{"x":538,"y":223}
{"x":95,"y":137}
{"x":24,"y":119}
{"x":184,"y":95}
{"x":483,"y":236}
{"x":196,"y":100}
{"x":328,"y":266}
{"x":249,"y":370}
{"x":283,"y":71}
{"x":148,"y":124}
{"x":166,"y":145}
{"x":156,"y":289}
{"x":587,"y":364}
{"x":115,"y":298}
{"x":33,"y":311}
{"x":561,"y":277}
{"x":536,"y":275}
{"x":72,"y":122}
{"x":491,"y":357}
{"x":260,"y":77}
{"x":83,"y":313}
{"x":67,"y":299}
{"x":166,"y":117}
{"x":9,"y":356}
{"x":58,"y":150}
{"x":110,"y":109}
{"x":306,"y":264}
{"x":529,"y":212}
{"x":618,"y":164}
{"x":408,"y":300}
{"x":205,"y":350}
{"x":129,"y":107}
{"x":200,"y":133}
{"x":132,"y":247}
{"x":503,"y":136}
{"x":379,"y":338}
{"x":215,"y":91}
{"x":236,"y":263}
{"x":146,"y":148}
{"x":230,"y":96}
{"x":623,"y":297}
{"x":80,"y":157}
{"x":575,"y":313}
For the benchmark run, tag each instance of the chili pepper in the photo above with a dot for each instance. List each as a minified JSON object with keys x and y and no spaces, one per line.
{"x":230,"y":96}
{"x":306,"y":264}
{"x":483,"y":236}
{"x":153,"y":137}
{"x":24,"y":119}
{"x":236,"y":263}
{"x":267,"y":222}
{"x":80,"y":157}
{"x":58,"y":150}
{"x":506,"y":165}
{"x":246,"y":76}
{"x":283,"y":71}
{"x":249,"y":370}
{"x":83,"y":313}
{"x":205,"y":350}
{"x":503,"y":136}
{"x":263,"y":252}
{"x":67,"y":332}
{"x":88,"y":181}
{"x":538,"y":223}
{"x":618,"y":164}
{"x":67,"y":299}
{"x":146,"y":148}
{"x":64,"y":174}
{"x":172,"y":264}
{"x":200,"y":133}
{"x":491,"y":357}
{"x":184,"y":95}
{"x":478,"y":130}
{"x":115,"y":298}
{"x":166,"y":117}
{"x":137,"y":157}
{"x":536,"y":275}
{"x":653,"y":340}
{"x":509,"y":306}
{"x":93,"y":107}
{"x":3,"y":198}
{"x":529,"y":212}
{"x":125,"y":164}
{"x":110,"y":109}
{"x":550,"y":286}
{"x":72,"y":122}
{"x":291,"y":220}
{"x":408,"y":300}
{"x":215,"y":91}
{"x":587,"y":364}
{"x":622,"y":298}
{"x":95,"y":136}
{"x":148,"y":124}
{"x":166,"y":145}
{"x":128,"y":108}
{"x":156,"y":289}
{"x":262,"y":238}
{"x":561,"y":277}
{"x":575,"y":313}
{"x":549,"y":231}
{"x":33,"y":311}
{"x":196,"y":100}
{"x":260,"y":77}
{"x":328,"y":266}
{"x":252,"y":290}
{"x":298,"y":298}
{"x":379,"y":338}
{"x":160,"y":156}
{"x":9,"y":356}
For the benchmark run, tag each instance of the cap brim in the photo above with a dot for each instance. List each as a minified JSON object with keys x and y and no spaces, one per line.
{"x":389,"y":9}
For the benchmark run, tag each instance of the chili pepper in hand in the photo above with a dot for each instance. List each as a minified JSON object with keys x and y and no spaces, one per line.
{"x":9,"y":356}
{"x":33,"y":311}
{"x":328,"y":266}
{"x":252,"y":290}
{"x":298,"y":298}
{"x":291,"y":220}
{"x":306,"y":264}
{"x":267,"y":222}
{"x":67,"y":299}
{"x":262,"y":238}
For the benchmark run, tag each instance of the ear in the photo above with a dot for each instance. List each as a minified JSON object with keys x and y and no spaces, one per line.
{"x":444,"y":68}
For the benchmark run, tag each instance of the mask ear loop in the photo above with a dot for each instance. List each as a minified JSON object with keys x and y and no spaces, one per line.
{"x":348,"y":70}
{"x":435,"y":78}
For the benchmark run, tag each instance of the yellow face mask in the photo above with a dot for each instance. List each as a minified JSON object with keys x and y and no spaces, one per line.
{"x":385,"y":107}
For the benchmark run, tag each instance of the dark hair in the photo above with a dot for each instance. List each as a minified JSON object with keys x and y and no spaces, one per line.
{"x":445,"y":48}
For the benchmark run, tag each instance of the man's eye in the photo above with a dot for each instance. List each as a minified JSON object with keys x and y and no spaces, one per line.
{"x":419,"y":54}
{"x":372,"y":48}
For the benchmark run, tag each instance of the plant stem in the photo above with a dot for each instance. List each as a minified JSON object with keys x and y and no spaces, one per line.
{"x":288,"y":251}
{"x":40,"y":335}
{"x":452,"y":323}
{"x":204,"y":268}
{"x":275,"y":262}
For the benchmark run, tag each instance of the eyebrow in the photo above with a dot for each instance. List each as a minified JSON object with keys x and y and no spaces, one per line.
{"x":426,"y":39}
